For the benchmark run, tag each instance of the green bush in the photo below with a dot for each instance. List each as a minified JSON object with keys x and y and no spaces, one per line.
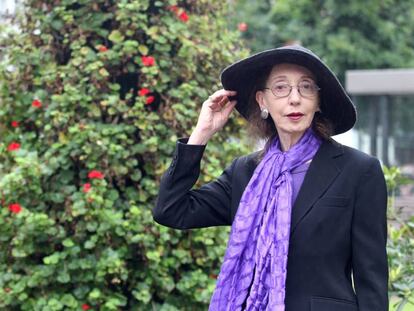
{"x":400,"y":244}
{"x":93,"y":96}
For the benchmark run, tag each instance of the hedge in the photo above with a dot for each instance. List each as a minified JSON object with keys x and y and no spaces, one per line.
{"x":94,"y":95}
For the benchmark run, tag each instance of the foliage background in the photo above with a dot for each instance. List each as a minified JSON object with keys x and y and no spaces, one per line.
{"x":347,"y":35}
{"x":70,"y":248}
{"x":75,"y":78}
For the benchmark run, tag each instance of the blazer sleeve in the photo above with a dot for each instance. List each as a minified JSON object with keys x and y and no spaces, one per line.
{"x":181,"y":207}
{"x":369,"y":238}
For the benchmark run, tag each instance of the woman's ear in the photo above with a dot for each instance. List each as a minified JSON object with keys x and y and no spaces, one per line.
{"x":260,"y":99}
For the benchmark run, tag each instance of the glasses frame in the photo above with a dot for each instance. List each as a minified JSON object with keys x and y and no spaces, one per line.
{"x":317,"y":88}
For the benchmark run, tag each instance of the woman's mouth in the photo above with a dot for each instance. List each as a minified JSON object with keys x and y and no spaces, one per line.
{"x":295,"y":116}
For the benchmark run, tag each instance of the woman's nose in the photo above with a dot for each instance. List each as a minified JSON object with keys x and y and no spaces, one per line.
{"x":294,"y":96}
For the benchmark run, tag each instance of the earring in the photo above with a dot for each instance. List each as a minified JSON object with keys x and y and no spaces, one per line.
{"x":264,"y":113}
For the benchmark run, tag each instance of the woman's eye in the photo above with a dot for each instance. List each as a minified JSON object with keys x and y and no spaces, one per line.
{"x":306,"y":84}
{"x":281,"y":87}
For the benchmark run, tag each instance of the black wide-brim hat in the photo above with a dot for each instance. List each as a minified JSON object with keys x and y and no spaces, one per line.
{"x":335,"y":104}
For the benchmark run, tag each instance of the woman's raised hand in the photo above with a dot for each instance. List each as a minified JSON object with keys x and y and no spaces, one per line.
{"x":213,"y":115}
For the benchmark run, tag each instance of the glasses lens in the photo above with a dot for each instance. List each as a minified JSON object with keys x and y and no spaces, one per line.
{"x":307,"y":88}
{"x":281,"y":89}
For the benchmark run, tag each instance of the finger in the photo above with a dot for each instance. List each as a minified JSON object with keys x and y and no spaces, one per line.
{"x":229,"y":108}
{"x":223,"y":92}
{"x":224,"y":100}
{"x":218,"y":95}
{"x":218,"y":104}
{"x":226,"y":110}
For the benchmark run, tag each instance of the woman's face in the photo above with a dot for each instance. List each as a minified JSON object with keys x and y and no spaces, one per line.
{"x":292,"y":114}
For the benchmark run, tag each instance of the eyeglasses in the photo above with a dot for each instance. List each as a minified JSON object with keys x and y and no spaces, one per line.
{"x":283,"y":89}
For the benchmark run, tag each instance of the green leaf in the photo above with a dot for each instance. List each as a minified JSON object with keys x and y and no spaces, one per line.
{"x":143,"y":49}
{"x":63,"y":277}
{"x":69,"y":301}
{"x":68,"y":243}
{"x":116,"y":36}
{"x":95,"y":294}
{"x":52,"y":259}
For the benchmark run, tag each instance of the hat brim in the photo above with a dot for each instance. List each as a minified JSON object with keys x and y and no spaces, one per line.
{"x":335,"y":104}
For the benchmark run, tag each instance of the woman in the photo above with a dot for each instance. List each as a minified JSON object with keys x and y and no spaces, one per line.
{"x":308,"y":215}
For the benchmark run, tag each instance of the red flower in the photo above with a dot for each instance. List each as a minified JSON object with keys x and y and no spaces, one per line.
{"x":13,"y":146}
{"x":243,"y":27}
{"x":15,"y":208}
{"x":148,"y":61}
{"x":86,"y":187}
{"x":15,"y":124}
{"x":102,"y":48}
{"x":183,"y":16}
{"x":37,"y":103}
{"x":149,"y":100}
{"x":144,"y":91}
{"x":95,"y":175}
{"x":85,"y":306}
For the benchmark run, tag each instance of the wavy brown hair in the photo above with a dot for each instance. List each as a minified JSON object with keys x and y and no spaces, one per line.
{"x":265,"y":129}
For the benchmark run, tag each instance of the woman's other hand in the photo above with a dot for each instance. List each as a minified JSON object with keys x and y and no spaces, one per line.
{"x":214,"y":114}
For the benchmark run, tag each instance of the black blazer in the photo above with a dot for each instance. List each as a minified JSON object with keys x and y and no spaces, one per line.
{"x":337,"y":257}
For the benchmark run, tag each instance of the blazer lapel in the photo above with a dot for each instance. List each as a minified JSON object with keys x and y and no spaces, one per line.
{"x":321,"y":173}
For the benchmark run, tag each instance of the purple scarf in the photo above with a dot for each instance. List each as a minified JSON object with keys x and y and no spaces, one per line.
{"x":253,"y":272}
